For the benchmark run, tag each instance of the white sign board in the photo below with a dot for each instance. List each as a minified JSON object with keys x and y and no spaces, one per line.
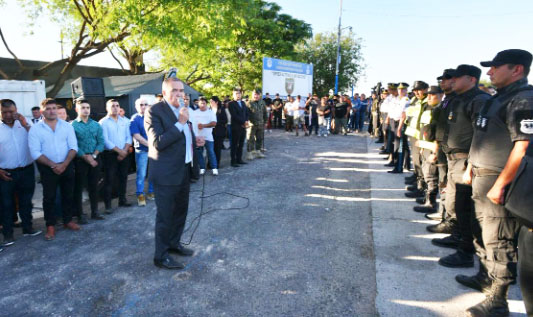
{"x":287,"y":78}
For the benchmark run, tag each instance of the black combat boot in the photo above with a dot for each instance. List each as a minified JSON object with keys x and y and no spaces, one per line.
{"x":411,"y":187}
{"x":458,"y":259}
{"x":452,"y":241}
{"x":445,"y":226}
{"x":481,"y":282}
{"x":430,"y":203}
{"x":419,"y":192}
{"x":494,"y":305}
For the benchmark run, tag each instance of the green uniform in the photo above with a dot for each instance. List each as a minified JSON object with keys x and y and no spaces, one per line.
{"x":257,"y":116}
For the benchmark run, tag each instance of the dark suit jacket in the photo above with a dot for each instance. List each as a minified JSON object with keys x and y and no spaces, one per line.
{"x":239,"y":115}
{"x":166,"y":151}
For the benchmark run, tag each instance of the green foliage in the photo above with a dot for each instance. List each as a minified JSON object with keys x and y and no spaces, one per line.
{"x":321,"y":51}
{"x":236,"y":60}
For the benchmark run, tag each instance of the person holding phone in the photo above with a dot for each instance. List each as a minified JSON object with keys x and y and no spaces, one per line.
{"x":17,"y":174}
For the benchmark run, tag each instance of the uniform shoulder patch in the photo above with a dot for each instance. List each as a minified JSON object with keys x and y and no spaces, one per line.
{"x":526,"y":126}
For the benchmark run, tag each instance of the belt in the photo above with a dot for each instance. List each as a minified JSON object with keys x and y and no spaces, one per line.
{"x":17,"y":169}
{"x":457,"y":156}
{"x":477,"y":171}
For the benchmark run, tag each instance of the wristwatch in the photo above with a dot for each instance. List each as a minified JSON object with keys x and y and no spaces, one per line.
{"x":94,"y":156}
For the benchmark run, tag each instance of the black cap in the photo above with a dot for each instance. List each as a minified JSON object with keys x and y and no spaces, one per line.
{"x":513,"y":56}
{"x":435,"y":90}
{"x":447,"y":74}
{"x":468,"y":70}
{"x":418,"y":85}
{"x":392,"y":85}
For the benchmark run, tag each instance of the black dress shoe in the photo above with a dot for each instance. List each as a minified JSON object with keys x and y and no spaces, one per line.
{"x":181,"y":250}
{"x":169,"y":264}
{"x":124,"y":203}
{"x":458,"y":259}
{"x":390,"y":164}
{"x":241,"y":162}
{"x":235,"y":165}
{"x":451,"y":241}
{"x":395,"y":171}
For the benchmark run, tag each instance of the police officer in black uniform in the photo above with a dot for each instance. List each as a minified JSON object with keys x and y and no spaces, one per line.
{"x":439,"y":125}
{"x":501,"y":137}
{"x":461,"y":114}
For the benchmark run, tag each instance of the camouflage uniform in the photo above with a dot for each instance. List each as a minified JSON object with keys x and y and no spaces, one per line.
{"x":256,"y":131}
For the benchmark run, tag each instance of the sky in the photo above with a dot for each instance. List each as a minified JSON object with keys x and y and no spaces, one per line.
{"x":402,"y":41}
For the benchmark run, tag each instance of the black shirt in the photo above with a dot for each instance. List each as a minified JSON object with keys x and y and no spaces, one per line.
{"x":340,"y":109}
{"x":267,"y":101}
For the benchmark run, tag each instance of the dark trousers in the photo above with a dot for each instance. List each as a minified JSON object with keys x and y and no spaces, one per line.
{"x":314,"y":125}
{"x":277,"y":118}
{"x":459,"y":204}
{"x":525,"y":266}
{"x":238,"y":134}
{"x":50,"y":182}
{"x":85,"y":173}
{"x":114,"y":169}
{"x":496,"y":247}
{"x":23,"y":185}
{"x":219,"y":145}
{"x":172,"y":204}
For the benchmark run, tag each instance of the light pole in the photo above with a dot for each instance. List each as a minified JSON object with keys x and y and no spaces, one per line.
{"x":338,"y":61}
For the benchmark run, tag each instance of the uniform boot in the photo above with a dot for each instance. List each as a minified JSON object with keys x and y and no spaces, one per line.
{"x":495,"y":304}
{"x":445,"y":226}
{"x":430,"y":204}
{"x":419,"y":192}
{"x":458,"y":259}
{"x":480,"y":282}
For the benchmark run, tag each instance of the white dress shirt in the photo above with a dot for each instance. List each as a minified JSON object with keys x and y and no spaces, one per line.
{"x":186,"y":129}
{"x":55,"y":145}
{"x":116,"y":133}
{"x":397,"y":107}
{"x":14,"y":150}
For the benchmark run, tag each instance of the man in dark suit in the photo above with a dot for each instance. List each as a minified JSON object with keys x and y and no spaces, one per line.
{"x":239,"y":123}
{"x":171,"y":148}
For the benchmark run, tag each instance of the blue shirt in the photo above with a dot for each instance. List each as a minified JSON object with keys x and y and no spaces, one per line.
{"x":187,"y":131}
{"x":116,"y":133}
{"x":55,"y":145}
{"x":137,"y":126}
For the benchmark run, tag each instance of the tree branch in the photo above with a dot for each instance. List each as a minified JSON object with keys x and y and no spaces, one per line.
{"x":11,"y":52}
{"x":3,"y":74}
{"x":118,"y":61}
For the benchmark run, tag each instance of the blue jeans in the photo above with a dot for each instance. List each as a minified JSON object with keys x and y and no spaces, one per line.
{"x":360,"y":121}
{"x":141,"y":159}
{"x":210,"y":148}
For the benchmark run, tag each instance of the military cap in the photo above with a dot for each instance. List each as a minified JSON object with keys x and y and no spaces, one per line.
{"x":403,"y":86}
{"x":467,"y":70}
{"x":435,"y":90}
{"x":257,"y":91}
{"x":513,"y":56}
{"x":419,"y":85}
{"x":384,"y":91}
{"x":392,"y":85}
{"x":447,"y":74}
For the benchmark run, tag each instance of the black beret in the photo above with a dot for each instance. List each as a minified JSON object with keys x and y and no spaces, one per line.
{"x":447,"y":74}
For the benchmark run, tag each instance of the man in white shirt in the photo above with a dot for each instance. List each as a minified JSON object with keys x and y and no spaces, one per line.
{"x":299,"y":114}
{"x":117,"y":140}
{"x":396,"y":121}
{"x":16,"y":171}
{"x":53,"y":145}
{"x":203,"y":121}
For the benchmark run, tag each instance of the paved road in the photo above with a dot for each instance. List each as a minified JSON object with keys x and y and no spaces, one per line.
{"x":303,"y":247}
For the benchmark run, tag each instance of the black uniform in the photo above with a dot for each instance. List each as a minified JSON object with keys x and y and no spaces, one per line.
{"x":277,"y":113}
{"x":460,"y":115}
{"x":501,"y":122}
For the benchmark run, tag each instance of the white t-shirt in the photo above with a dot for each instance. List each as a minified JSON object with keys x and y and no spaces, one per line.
{"x":203,"y":117}
{"x":397,"y":107}
{"x":294,"y":109}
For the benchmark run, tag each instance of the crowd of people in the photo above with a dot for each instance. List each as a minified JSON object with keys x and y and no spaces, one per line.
{"x":465,"y":142}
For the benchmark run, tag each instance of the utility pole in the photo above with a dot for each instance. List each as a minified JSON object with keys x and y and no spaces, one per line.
{"x":61,"y":42}
{"x":338,"y":61}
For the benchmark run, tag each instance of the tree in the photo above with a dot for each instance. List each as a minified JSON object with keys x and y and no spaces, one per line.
{"x":237,"y":61}
{"x":321,"y":51}
{"x":135,"y":26}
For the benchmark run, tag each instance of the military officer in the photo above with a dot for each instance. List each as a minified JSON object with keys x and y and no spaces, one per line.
{"x":256,"y":130}
{"x":501,"y":136}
